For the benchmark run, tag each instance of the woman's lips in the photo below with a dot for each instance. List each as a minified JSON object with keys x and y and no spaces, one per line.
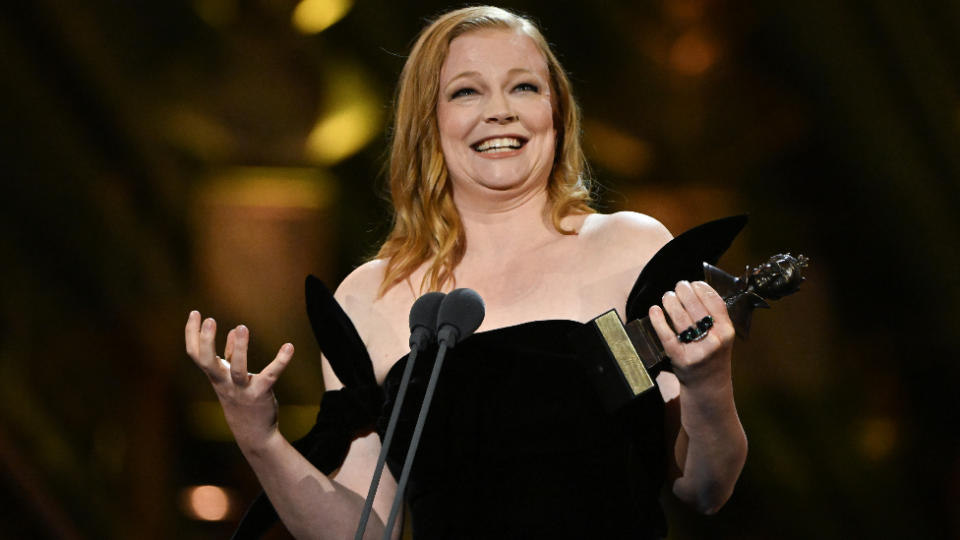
{"x":495,"y":145}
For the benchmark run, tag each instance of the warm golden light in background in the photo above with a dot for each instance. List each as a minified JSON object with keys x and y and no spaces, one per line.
{"x":342,"y":133}
{"x":260,"y":231}
{"x":312,"y":16}
{"x":692,"y":53}
{"x":197,"y":131}
{"x":272,"y":187}
{"x":206,"y":503}
{"x":216,"y":13}
{"x":619,"y":151}
{"x":352,"y":120}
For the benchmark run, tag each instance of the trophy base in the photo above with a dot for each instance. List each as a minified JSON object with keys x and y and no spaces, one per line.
{"x":611,"y":360}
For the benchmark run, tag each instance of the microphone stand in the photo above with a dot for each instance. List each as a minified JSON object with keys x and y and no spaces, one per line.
{"x":459,"y":315}
{"x":423,"y":323}
{"x":415,"y":440}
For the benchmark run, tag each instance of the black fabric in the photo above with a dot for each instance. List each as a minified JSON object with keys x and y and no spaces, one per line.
{"x":517,"y":444}
{"x":337,"y":337}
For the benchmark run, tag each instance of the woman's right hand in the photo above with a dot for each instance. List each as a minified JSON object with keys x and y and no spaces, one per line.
{"x":247,"y":398}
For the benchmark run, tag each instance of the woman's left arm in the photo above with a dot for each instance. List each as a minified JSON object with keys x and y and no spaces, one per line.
{"x":710,"y":446}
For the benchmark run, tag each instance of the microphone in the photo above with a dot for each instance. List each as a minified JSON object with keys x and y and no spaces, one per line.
{"x":423,"y":324}
{"x":459,"y":316}
{"x":423,"y":319}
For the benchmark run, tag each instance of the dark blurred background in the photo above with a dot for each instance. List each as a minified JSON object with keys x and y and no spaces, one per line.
{"x":162,"y":156}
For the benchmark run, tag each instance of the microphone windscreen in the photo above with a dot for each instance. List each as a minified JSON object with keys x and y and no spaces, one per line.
{"x":423,"y":317}
{"x":463,"y":310}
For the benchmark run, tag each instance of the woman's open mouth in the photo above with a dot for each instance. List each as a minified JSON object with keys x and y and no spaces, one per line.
{"x":499,"y":144}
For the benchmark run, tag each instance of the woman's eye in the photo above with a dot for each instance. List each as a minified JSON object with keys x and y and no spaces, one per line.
{"x":527,"y":87}
{"x":463,"y":92}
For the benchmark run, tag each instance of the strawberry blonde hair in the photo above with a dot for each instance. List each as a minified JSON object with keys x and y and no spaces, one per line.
{"x":426,"y":223}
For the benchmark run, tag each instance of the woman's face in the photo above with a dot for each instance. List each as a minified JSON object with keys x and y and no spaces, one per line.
{"x":495,"y":114}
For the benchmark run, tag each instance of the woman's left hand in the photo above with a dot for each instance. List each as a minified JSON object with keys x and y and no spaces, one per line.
{"x":710,"y":447}
{"x":706,"y":358}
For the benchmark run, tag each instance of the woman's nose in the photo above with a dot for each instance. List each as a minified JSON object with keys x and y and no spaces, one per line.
{"x":502,"y":118}
{"x":499,"y":110}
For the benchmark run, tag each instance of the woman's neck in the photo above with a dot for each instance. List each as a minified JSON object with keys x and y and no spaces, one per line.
{"x":509,"y":228}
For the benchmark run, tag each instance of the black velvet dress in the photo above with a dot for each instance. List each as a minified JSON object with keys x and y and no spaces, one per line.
{"x":517,"y":444}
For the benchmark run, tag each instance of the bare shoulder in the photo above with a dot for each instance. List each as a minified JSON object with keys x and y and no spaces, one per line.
{"x":360,"y":287}
{"x":381,"y":321}
{"x":625,"y":231}
{"x":359,"y":298}
{"x":357,"y":295}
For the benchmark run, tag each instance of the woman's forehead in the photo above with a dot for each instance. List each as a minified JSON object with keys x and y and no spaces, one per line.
{"x":482,"y":50}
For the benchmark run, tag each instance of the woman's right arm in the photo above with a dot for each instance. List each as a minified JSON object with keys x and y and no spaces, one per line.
{"x":310,"y":504}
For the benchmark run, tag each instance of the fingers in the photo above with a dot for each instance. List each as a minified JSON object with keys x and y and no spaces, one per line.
{"x":691,"y":302}
{"x":228,"y":350}
{"x":265,"y":380}
{"x":710,"y":299}
{"x":684,"y":307}
{"x":687,"y":307}
{"x":206,"y":354}
{"x":699,"y":343}
{"x":238,"y":356}
{"x":674,"y":309}
{"x":716,"y":308}
{"x":199,"y":336}
{"x":200,"y":340}
{"x":192,"y":333}
{"x":667,"y":337}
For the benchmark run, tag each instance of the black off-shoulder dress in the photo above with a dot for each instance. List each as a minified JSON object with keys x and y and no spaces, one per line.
{"x":517,"y":443}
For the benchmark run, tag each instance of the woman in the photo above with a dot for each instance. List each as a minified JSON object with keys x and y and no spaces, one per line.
{"x":486,"y":176}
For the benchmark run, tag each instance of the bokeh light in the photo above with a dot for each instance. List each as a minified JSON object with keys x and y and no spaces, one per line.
{"x":313,"y":16}
{"x":206,"y":503}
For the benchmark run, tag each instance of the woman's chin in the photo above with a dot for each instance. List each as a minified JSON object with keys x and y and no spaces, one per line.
{"x":504,"y":183}
{"x":502,"y":177}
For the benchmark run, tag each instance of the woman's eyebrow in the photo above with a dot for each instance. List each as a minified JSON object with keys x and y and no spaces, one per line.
{"x":511,"y":71}
{"x":462,"y":75}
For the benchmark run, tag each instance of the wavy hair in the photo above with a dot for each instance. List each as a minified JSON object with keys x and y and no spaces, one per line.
{"x":426,"y":223}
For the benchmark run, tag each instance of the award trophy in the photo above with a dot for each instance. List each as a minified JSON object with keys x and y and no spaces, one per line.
{"x":623,"y":360}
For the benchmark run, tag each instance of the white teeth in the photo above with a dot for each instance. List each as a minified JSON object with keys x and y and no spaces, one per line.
{"x":502,"y":144}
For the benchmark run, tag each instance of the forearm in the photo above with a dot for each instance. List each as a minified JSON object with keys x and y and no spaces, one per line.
{"x":310,"y":504}
{"x":711,"y":447}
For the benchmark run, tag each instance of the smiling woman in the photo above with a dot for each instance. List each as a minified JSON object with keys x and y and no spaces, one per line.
{"x":486,"y":177}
